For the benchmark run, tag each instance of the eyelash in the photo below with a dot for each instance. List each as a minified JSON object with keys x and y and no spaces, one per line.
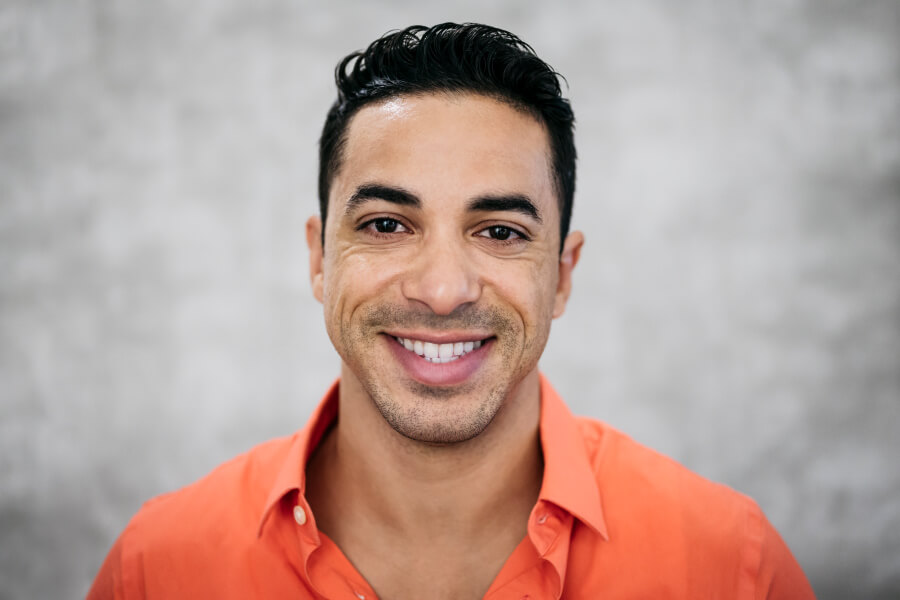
{"x":519,"y":236}
{"x":371,"y":225}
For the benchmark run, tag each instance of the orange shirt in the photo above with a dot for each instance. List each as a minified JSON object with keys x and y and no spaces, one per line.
{"x":613,"y":520}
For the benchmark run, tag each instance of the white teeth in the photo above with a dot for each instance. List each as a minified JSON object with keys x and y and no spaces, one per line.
{"x":444,"y":360}
{"x":439,"y":353}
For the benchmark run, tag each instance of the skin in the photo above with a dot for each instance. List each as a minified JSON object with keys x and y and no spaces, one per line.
{"x":427,"y":487}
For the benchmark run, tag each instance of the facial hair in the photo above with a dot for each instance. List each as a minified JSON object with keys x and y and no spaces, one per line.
{"x":436,"y":414}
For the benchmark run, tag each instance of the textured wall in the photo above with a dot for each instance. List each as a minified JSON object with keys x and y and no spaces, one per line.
{"x":737,"y":305}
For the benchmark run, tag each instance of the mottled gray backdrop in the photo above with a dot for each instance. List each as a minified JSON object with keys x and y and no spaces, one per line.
{"x":737,"y":305}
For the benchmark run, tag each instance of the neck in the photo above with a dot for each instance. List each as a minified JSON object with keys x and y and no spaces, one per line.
{"x":427,"y":492}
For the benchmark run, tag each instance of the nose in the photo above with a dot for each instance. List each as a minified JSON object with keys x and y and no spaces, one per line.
{"x":442,"y":278}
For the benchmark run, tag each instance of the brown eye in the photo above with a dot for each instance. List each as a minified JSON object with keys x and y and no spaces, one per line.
{"x":502,"y":233}
{"x":498,"y":232}
{"x":386,"y":225}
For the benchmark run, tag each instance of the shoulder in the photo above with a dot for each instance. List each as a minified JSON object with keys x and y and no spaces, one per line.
{"x":233,"y":489}
{"x":635,"y":479}
{"x":223,"y":506}
{"x":665,"y":519}
{"x":167,"y":544}
{"x":203,"y":540}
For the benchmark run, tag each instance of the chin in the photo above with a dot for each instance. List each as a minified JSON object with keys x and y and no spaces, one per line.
{"x":435,"y":415}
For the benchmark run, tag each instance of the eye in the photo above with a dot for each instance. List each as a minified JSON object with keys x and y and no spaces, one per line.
{"x":502,"y":233}
{"x":384,"y":225}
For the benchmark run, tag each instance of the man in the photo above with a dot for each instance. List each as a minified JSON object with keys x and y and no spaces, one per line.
{"x":443,"y":465}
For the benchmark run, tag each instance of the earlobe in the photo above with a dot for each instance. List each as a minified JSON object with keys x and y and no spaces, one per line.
{"x":314,"y":242}
{"x":567,"y":261}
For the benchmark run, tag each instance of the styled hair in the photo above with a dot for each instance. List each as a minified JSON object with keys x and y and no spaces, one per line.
{"x":452,"y":58}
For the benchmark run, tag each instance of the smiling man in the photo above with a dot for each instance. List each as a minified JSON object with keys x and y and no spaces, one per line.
{"x":443,"y":465}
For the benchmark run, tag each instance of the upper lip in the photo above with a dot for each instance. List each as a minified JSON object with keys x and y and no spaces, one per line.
{"x":441,"y":337}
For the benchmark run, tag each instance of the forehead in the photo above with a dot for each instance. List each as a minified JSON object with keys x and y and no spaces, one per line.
{"x":447,"y":144}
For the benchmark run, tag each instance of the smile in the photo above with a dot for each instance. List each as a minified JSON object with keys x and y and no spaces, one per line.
{"x":438,"y":353}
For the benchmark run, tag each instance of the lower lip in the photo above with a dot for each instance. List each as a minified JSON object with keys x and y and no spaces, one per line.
{"x":439,"y":374}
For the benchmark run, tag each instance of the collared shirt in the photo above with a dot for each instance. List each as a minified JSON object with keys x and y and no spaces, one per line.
{"x":614,"y":519}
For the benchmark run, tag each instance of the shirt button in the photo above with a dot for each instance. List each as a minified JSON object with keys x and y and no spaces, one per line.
{"x":360,"y":596}
{"x":542,"y":519}
{"x":299,"y":515}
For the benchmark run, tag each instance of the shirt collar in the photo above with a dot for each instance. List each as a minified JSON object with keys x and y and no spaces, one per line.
{"x":569,"y":481}
{"x":292,"y":475}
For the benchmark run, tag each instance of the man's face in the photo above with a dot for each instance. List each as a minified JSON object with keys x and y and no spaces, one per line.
{"x":441,"y":269}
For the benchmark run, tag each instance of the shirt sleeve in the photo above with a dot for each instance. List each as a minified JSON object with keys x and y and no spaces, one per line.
{"x":780,"y":576}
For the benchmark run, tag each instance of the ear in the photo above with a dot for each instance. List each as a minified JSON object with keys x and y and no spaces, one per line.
{"x":314,"y":241}
{"x":567,"y":261}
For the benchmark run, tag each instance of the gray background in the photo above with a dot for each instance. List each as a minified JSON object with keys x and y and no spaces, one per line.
{"x":737,"y":305}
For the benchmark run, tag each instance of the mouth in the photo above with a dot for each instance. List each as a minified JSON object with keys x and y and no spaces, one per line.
{"x":442,"y":361}
{"x":439,"y":353}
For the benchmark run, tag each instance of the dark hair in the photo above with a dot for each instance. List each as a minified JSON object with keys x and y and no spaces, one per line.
{"x":452,"y":58}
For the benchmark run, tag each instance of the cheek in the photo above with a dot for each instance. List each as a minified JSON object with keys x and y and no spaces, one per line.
{"x":353,"y":280}
{"x":530,"y":289}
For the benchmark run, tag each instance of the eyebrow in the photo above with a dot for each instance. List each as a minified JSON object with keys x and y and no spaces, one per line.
{"x":396,"y":195}
{"x":374,"y":191}
{"x":514,"y":202}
